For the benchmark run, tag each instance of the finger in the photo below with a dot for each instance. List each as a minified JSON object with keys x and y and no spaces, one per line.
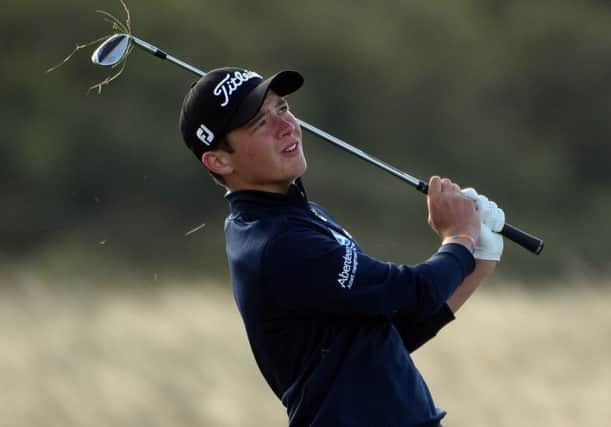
{"x":446,"y":185}
{"x":483,"y":206}
{"x":434,"y":185}
{"x":498,"y":220}
{"x":501,"y":222}
{"x":455,"y":188}
{"x":491,"y":214}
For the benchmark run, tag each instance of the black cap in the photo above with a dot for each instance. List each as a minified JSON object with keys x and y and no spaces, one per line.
{"x":225,"y":99}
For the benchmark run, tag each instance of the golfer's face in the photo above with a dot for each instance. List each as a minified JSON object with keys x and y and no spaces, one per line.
{"x":268,"y":154}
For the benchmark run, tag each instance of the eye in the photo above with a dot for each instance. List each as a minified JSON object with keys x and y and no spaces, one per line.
{"x":260,"y":124}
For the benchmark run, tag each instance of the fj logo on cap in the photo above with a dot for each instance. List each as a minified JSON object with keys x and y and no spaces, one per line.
{"x":229,"y":84}
{"x":205,"y":135}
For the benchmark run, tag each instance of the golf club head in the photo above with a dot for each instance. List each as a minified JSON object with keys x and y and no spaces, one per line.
{"x":112,"y":50}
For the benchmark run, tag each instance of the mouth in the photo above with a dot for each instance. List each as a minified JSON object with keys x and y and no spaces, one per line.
{"x":291,"y":148}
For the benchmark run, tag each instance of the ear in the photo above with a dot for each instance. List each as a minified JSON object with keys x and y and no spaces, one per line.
{"x":217,"y":161}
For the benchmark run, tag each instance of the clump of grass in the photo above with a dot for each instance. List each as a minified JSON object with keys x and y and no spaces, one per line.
{"x":118,"y":27}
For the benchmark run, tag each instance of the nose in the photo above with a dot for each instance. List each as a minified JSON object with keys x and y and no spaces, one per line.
{"x":286,"y":125}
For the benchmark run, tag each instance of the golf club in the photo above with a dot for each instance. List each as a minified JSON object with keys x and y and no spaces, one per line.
{"x":114,"y":49}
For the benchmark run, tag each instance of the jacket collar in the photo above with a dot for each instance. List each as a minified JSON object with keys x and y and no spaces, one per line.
{"x":253,"y":201}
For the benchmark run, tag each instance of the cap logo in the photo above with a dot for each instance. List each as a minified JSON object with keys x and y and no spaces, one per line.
{"x":205,"y":135}
{"x":229,"y":84}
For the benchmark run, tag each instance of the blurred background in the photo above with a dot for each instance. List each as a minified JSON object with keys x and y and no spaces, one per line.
{"x":114,"y":314}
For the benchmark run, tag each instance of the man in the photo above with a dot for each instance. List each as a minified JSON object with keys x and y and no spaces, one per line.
{"x":330,"y":327}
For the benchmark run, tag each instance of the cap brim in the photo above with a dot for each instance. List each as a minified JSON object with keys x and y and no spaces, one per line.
{"x":282,"y":83}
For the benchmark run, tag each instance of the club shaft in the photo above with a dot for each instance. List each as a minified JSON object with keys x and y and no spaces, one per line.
{"x":415,"y":182}
{"x":163,"y":55}
{"x":522,"y":238}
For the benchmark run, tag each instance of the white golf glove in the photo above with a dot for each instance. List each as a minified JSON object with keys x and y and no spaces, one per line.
{"x":492,"y":219}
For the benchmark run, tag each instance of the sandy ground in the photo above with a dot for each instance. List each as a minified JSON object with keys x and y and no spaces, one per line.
{"x":175,"y":354}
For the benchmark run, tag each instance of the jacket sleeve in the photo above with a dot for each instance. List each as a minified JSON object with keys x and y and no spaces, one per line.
{"x":308,"y":270}
{"x":415,"y":334}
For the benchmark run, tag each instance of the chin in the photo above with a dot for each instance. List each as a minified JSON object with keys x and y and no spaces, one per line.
{"x":296,"y":169}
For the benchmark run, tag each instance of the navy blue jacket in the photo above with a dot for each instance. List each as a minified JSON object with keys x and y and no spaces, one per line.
{"x":330,"y":327}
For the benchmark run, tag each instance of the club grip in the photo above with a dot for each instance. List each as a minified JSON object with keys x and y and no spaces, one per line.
{"x":522,"y":238}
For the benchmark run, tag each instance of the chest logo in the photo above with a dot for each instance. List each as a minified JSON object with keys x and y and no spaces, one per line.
{"x":349,"y":261}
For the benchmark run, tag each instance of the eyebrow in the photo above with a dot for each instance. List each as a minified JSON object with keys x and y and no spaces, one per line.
{"x":260,"y":113}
